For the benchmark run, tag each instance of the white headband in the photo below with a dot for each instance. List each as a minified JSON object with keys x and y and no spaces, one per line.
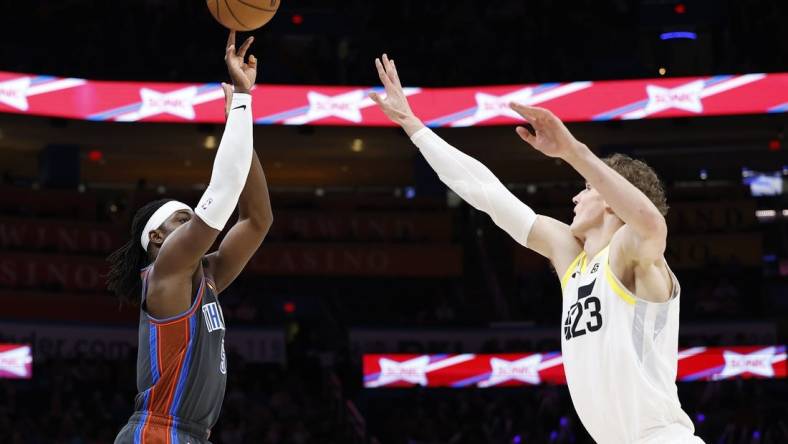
{"x":158,"y":218}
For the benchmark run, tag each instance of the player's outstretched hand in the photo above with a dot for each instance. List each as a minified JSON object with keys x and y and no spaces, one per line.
{"x":242,"y":73}
{"x":394,"y":104}
{"x":547,"y":133}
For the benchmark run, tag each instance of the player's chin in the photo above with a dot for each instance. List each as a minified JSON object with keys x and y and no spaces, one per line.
{"x":575,"y":226}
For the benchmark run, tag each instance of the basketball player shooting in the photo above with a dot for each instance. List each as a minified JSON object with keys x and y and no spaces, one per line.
{"x":620,"y":298}
{"x":181,"y":364}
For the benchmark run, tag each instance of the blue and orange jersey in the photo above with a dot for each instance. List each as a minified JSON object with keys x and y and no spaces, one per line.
{"x":181,"y":368}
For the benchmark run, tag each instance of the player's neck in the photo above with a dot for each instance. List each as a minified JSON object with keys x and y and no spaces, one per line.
{"x":599,"y":237}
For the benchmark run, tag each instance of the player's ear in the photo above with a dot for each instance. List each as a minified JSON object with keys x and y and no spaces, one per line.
{"x":156,"y":237}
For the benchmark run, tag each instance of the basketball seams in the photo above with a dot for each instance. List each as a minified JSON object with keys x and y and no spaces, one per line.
{"x":226,"y":3}
{"x":253,"y":12}
{"x":259,"y":8}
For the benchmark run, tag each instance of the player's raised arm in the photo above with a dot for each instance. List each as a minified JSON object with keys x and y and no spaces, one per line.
{"x":254,"y":218}
{"x":474,"y":182}
{"x":642,"y":240}
{"x":184,"y":248}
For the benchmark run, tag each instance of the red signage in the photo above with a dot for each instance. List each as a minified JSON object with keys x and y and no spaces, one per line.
{"x":511,"y":370}
{"x":16,"y":361}
{"x":439,"y":107}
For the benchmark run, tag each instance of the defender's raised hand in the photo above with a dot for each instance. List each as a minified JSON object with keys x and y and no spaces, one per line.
{"x":395,"y":104}
{"x":243,"y":74}
{"x":549,"y":135}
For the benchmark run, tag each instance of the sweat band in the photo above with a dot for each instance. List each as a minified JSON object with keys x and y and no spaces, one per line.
{"x":158,"y":218}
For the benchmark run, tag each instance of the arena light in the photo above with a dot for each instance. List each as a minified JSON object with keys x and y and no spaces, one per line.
{"x":770,"y":183}
{"x":210,"y":142}
{"x":95,"y":155}
{"x":678,"y":35}
{"x":357,"y":146}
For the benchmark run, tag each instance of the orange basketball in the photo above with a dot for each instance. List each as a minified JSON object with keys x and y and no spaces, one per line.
{"x":243,"y":15}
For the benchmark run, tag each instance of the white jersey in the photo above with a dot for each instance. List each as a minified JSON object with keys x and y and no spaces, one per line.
{"x":620,"y":353}
{"x":620,"y":358}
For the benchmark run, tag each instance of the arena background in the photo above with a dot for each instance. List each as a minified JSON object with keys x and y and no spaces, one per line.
{"x":368,"y":253}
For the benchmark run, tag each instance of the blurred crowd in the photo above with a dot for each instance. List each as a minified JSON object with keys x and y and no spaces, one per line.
{"x":496,"y":290}
{"x":729,"y":412}
{"x":81,"y":401}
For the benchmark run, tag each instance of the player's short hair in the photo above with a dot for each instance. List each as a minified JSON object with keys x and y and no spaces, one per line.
{"x":642,"y":176}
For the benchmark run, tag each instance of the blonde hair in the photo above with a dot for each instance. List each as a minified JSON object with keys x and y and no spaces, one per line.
{"x":642,"y":176}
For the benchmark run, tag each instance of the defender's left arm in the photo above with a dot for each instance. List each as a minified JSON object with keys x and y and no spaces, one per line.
{"x":637,"y":250}
{"x":642,"y":240}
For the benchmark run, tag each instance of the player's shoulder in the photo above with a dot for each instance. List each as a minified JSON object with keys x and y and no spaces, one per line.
{"x":634,"y":269}
{"x":628,"y":245}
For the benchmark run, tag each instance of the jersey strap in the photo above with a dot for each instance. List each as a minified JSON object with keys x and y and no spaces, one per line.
{"x":571,"y":268}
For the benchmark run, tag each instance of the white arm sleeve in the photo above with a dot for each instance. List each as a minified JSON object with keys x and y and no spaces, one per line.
{"x":476,"y":184}
{"x":231,"y":165}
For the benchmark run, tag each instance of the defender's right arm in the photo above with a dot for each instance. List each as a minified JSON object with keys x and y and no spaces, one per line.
{"x":474,"y":182}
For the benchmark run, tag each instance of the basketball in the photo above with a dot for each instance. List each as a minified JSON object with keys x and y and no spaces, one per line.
{"x":243,"y":15}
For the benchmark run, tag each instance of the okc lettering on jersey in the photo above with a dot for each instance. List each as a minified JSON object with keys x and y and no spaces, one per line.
{"x":213,"y":317}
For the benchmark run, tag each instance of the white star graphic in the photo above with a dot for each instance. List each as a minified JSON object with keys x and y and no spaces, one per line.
{"x":758,"y":362}
{"x":16,"y":361}
{"x":345,"y":106}
{"x":686,"y":97}
{"x":177,"y":103}
{"x":413,"y":371}
{"x":14,"y":93}
{"x":489,"y":106}
{"x":524,"y":369}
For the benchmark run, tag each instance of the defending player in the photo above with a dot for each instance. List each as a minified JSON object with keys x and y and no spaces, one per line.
{"x":620,"y":298}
